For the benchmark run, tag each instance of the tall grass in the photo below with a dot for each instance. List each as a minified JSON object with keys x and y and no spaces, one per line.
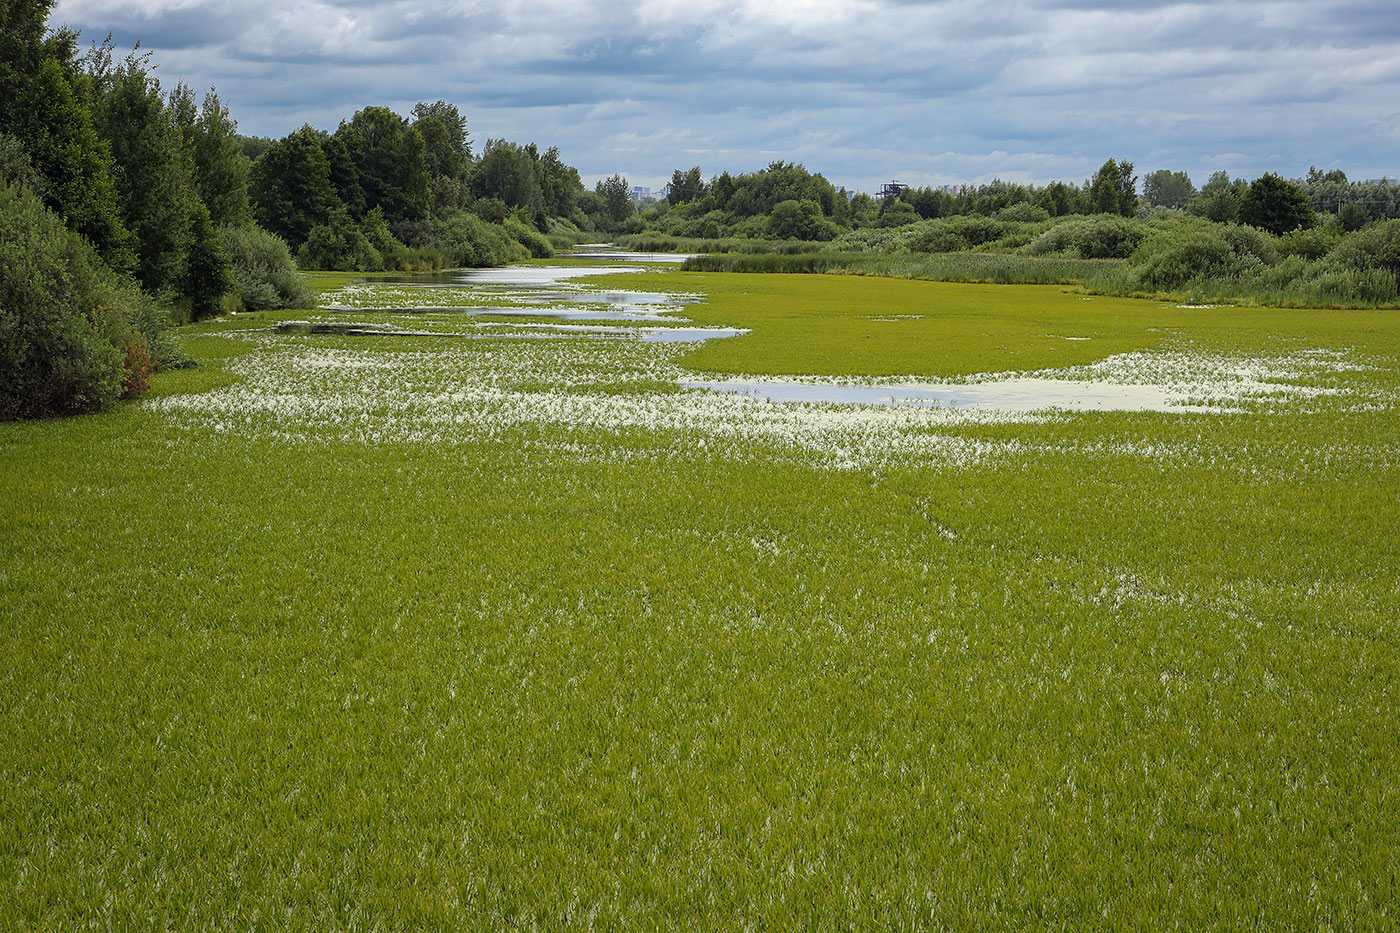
{"x":994,"y":268}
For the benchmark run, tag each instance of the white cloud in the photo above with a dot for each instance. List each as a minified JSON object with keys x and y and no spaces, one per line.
{"x":861,"y":90}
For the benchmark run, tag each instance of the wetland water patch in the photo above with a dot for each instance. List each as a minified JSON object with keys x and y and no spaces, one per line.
{"x":503,"y":331}
{"x":1012,"y":395}
{"x":580,"y":383}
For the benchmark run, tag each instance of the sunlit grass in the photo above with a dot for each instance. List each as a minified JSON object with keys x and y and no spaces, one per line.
{"x":1125,"y":670}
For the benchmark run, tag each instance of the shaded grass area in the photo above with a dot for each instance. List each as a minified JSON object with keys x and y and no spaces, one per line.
{"x":247,"y":681}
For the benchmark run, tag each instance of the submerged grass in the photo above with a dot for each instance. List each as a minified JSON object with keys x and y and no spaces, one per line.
{"x":853,"y":326}
{"x":1140,"y":670}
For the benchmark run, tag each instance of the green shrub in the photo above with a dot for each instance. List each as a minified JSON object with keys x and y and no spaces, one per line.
{"x":341,"y":245}
{"x":1169,"y":259}
{"x":264,"y":274}
{"x":953,"y":234}
{"x":470,"y":242}
{"x":491,"y":210}
{"x":1101,"y":236}
{"x":1023,"y":213}
{"x":1309,"y":243}
{"x":799,"y":220}
{"x":1250,"y":243}
{"x":865,"y":240}
{"x":530,"y":238}
{"x":1341,"y":286}
{"x":73,"y":334}
{"x":394,"y":255}
{"x":936,"y":236}
{"x":563,"y":234}
{"x":1373,"y":247}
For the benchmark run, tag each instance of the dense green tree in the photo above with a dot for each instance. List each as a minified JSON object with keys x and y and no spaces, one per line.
{"x":801,"y":220}
{"x":929,"y":203}
{"x":1165,"y":188}
{"x":388,"y":152}
{"x":254,"y":146}
{"x":1219,"y":199}
{"x":1059,"y":199}
{"x":15,"y":166}
{"x":841,"y":209}
{"x":339,"y":243}
{"x":447,"y":154}
{"x":446,"y":147}
{"x":560,"y":184}
{"x":206,"y":275}
{"x":686,"y":186}
{"x":56,"y":129}
{"x":616,"y":197}
{"x":23,"y":49}
{"x":219,"y":165}
{"x":756,"y":193}
{"x":722,"y":188}
{"x":896,"y":212}
{"x":150,"y":168}
{"x":993,"y":197}
{"x":507,"y":172}
{"x":1275,"y":204}
{"x":344,"y":173}
{"x":1113,"y":189}
{"x":291,"y":187}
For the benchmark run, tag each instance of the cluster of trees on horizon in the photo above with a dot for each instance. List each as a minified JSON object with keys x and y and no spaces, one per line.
{"x":727,"y":206}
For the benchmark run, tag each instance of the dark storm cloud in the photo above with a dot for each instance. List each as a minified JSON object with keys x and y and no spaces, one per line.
{"x":861,"y":90}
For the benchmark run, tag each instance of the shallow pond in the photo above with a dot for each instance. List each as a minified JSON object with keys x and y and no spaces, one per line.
{"x":514,"y":332}
{"x":1024,"y":395}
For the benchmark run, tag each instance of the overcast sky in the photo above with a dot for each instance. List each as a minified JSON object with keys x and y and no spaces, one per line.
{"x":863,"y":91}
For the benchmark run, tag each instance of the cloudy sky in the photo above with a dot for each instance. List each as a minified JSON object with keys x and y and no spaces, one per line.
{"x":864,"y":91}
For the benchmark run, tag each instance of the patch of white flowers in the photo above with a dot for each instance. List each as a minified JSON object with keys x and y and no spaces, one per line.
{"x":374,"y":390}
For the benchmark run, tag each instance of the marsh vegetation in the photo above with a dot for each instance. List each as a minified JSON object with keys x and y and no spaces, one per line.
{"x":543,"y":637}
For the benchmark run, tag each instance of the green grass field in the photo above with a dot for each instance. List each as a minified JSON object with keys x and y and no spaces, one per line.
{"x":383,"y":633}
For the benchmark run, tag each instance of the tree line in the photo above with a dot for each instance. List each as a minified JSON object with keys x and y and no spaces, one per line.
{"x":126,"y":207}
{"x":785,"y":201}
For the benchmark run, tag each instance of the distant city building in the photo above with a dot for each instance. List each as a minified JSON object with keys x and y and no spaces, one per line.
{"x":639,"y":194}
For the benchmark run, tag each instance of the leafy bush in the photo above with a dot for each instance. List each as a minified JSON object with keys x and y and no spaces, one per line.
{"x":339,"y":244}
{"x":1101,"y":236}
{"x":470,"y":242}
{"x":1023,"y":213}
{"x":491,"y":210}
{"x":1250,"y":244}
{"x":800,"y":220}
{"x":1309,"y":243}
{"x":530,"y":238}
{"x":866,"y":240}
{"x":394,"y":255}
{"x":73,"y":334}
{"x":1373,"y":247}
{"x":563,"y":234}
{"x":953,"y":234}
{"x":264,"y":274}
{"x":1170,"y":258}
